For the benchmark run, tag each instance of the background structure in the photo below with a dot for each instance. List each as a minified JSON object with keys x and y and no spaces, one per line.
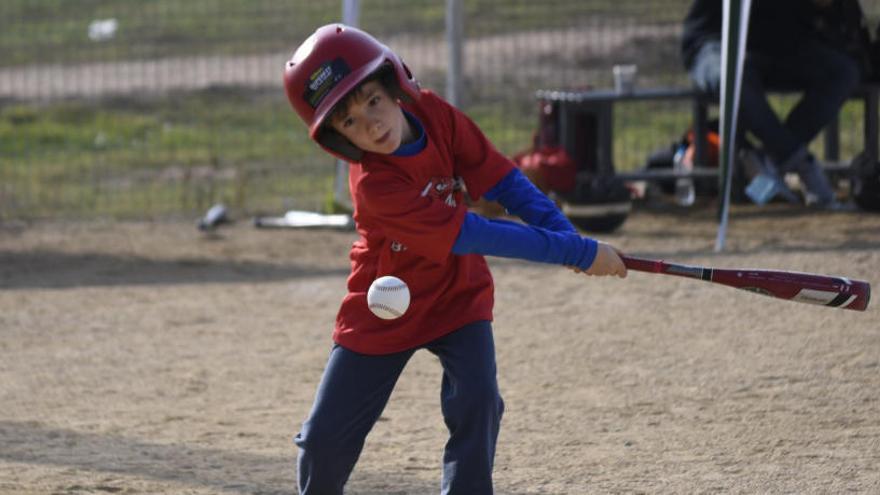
{"x":152,"y":109}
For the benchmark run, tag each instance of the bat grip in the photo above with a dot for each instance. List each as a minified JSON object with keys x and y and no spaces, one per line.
{"x":642,"y":264}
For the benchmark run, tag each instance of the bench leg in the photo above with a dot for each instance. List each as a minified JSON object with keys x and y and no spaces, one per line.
{"x":832,"y":140}
{"x":871,"y":125}
{"x":701,"y":126}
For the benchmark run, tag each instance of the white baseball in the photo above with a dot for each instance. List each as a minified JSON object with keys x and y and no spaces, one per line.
{"x":388,"y":297}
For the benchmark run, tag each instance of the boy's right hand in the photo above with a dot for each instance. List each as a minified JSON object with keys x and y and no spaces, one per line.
{"x":607,"y":262}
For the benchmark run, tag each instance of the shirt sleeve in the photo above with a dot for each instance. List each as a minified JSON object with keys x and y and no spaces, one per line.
{"x":514,"y":240}
{"x":520,"y":197}
{"x":476,"y":159}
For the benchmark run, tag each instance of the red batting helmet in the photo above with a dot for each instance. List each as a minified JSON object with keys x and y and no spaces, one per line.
{"x":327,"y":66}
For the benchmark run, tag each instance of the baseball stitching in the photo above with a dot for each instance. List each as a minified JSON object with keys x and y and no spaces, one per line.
{"x":386,"y":308}
{"x":388,"y":288}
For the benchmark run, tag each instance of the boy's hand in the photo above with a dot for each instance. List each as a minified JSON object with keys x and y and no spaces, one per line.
{"x":607,"y":262}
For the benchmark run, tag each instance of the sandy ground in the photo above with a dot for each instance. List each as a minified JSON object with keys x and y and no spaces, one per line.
{"x":150,"y":358}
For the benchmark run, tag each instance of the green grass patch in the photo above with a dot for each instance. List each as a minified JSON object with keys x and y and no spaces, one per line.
{"x":641,"y":127}
{"x":154,"y":28}
{"x":180,"y":153}
{"x":56,"y":31}
{"x":141,"y":157}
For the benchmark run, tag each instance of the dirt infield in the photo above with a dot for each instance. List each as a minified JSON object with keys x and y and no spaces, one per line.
{"x":150,"y":358}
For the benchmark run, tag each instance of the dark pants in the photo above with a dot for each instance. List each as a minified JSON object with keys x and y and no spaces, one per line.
{"x":355,"y":388}
{"x":826,"y":77}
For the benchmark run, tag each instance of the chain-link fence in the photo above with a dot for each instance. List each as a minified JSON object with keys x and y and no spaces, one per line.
{"x":155,"y":108}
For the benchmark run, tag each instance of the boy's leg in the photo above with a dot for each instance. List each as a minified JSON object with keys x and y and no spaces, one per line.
{"x":353,"y":392}
{"x":472,"y":408}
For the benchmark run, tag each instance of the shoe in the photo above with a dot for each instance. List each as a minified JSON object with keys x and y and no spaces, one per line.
{"x":685,"y":193}
{"x":767,"y":182}
{"x":833,"y":205}
{"x":817,"y":187}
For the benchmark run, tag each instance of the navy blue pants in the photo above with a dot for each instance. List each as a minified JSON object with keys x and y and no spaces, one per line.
{"x":355,"y":388}
{"x":826,"y":77}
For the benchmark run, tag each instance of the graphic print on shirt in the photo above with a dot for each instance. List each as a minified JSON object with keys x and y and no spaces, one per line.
{"x":444,"y":189}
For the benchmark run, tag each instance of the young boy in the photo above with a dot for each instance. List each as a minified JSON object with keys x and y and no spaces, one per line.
{"x":412,"y":158}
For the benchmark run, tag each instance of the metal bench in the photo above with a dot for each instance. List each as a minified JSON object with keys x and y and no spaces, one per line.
{"x":594,"y":109}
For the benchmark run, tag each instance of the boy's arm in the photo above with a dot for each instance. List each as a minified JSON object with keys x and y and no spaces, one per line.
{"x":520,"y":197}
{"x":479,"y":235}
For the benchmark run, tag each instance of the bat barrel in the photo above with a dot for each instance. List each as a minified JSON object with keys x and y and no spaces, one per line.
{"x":810,"y":288}
{"x":862,"y":292}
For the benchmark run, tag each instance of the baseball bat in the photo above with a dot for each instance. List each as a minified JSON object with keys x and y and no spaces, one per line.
{"x":812,"y":288}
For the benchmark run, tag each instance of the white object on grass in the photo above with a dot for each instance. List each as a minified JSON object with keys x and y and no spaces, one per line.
{"x":299,"y":218}
{"x":103,"y":29}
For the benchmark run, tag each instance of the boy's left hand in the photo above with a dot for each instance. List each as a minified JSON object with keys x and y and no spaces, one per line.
{"x":607,"y":262}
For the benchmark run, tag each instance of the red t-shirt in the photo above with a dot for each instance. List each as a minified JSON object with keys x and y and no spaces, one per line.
{"x":408,"y":211}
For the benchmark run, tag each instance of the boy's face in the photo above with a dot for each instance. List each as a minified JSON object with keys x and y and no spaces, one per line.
{"x":373,"y":120}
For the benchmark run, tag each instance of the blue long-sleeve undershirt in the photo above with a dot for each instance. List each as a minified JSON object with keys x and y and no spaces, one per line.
{"x":479,"y":235}
{"x":516,"y":193}
{"x":549,"y":237}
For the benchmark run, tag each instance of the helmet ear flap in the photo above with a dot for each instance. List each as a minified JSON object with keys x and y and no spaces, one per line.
{"x":398,"y":93}
{"x":391,"y":80}
{"x":403,"y":95}
{"x":338,"y":144}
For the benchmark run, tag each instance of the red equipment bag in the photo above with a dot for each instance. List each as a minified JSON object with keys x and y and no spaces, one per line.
{"x":547,"y":164}
{"x":549,"y":167}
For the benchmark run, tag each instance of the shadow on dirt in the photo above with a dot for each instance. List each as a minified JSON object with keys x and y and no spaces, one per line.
{"x":226,"y":471}
{"x":54,"y":270}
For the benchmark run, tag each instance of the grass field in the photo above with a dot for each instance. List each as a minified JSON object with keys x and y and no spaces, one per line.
{"x":160,"y":28}
{"x":130,"y":158}
{"x":127,"y":157}
{"x":159,"y":154}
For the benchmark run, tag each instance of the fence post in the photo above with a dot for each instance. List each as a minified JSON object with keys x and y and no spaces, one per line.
{"x":351,"y":12}
{"x":454,"y":42}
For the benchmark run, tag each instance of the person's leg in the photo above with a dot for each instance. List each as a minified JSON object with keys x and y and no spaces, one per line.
{"x":353,"y":392}
{"x":826,"y":76}
{"x":472,"y":408}
{"x":757,"y":116}
{"x":755,"y":113}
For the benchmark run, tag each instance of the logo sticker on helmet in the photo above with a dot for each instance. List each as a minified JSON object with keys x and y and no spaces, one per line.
{"x":323,"y":80}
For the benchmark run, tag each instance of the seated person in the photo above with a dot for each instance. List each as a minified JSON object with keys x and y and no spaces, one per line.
{"x":783,"y":51}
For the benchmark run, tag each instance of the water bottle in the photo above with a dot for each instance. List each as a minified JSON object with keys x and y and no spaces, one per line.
{"x":685,"y":195}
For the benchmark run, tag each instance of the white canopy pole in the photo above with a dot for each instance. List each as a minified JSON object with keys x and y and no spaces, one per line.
{"x":454,"y":42}
{"x":351,"y":13}
{"x":734,"y":31}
